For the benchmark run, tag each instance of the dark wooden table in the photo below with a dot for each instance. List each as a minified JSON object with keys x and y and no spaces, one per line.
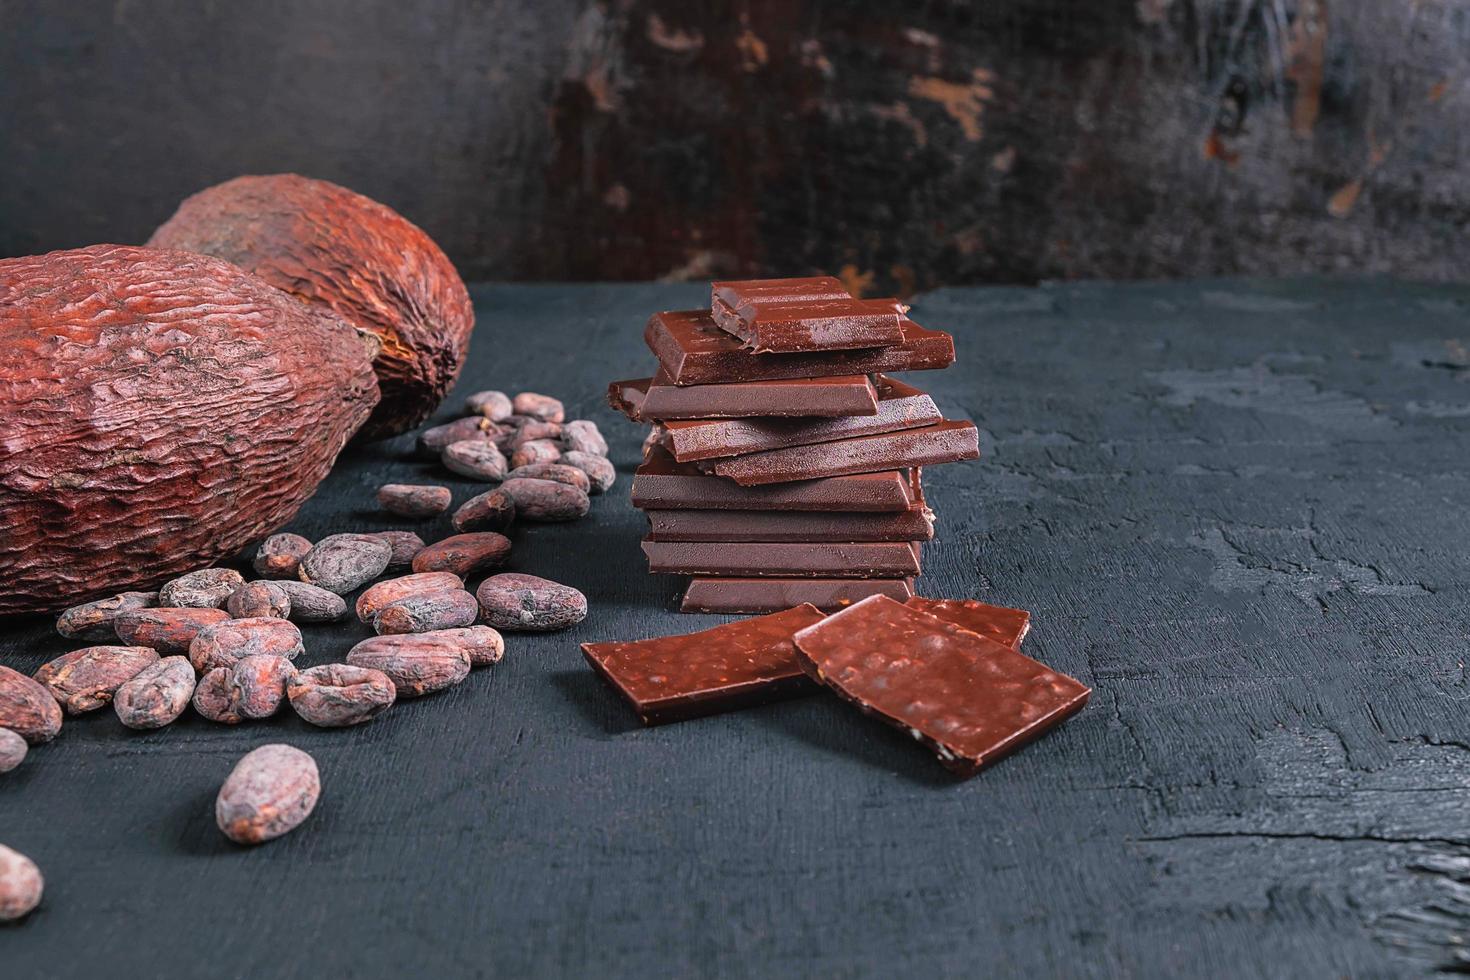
{"x":1237,"y":509}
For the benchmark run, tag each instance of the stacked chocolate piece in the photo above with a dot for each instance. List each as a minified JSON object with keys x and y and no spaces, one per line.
{"x":784,"y":462}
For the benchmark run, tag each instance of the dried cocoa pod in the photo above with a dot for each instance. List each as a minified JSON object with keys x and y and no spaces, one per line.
{"x":431,"y":441}
{"x":269,"y":792}
{"x":252,"y":688}
{"x":513,"y":601}
{"x":405,"y":544}
{"x":13,"y":749}
{"x":560,"y":472}
{"x":161,"y":410}
{"x":85,"y":680}
{"x":493,"y":511}
{"x":224,"y":643}
{"x":259,"y":598}
{"x":347,"y":253}
{"x":475,"y":458}
{"x":207,"y":588}
{"x":417,"y":663}
{"x":339,"y":695}
{"x":342,"y":562}
{"x":583,"y":436}
{"x":483,"y":645}
{"x":165,"y":630}
{"x":373,"y":599}
{"x":429,"y":611}
{"x":21,"y":885}
{"x":279,"y":556}
{"x":413,"y":500}
{"x":547,"y":500}
{"x":27,"y":708}
{"x":533,"y":430}
{"x":534,"y":451}
{"x":156,"y":695}
{"x":464,"y":554}
{"x":312,"y":603}
{"x":493,"y":405}
{"x":542,"y":407}
{"x":599,"y":470}
{"x":93,"y":620}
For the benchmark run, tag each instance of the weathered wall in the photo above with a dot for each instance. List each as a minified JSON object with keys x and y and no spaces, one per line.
{"x":906,"y":144}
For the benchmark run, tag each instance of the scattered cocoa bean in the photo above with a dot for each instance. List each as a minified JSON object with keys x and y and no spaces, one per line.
{"x":526,"y":602}
{"x":493,"y":405}
{"x":516,"y":421}
{"x":547,"y":500}
{"x":224,"y":643}
{"x":259,"y":598}
{"x":279,"y":556}
{"x":583,"y":436}
{"x":84,"y":680}
{"x":93,"y":620}
{"x":475,"y":459}
{"x":165,"y":630}
{"x":417,"y":663}
{"x":464,"y":554}
{"x":13,"y":749}
{"x":492,"y":511}
{"x":483,"y":645}
{"x":20,"y":884}
{"x":429,"y":611}
{"x":560,"y":472}
{"x":342,"y":562}
{"x":535,"y":430}
{"x":391,"y":590}
{"x":405,"y":544}
{"x":599,"y":470}
{"x":312,"y":603}
{"x":156,"y":695}
{"x":339,"y":695}
{"x":270,"y":792}
{"x":207,"y":588}
{"x":432,"y":441}
{"x":543,"y":407}
{"x":413,"y":500}
{"x":252,"y":688}
{"x":27,"y":708}
{"x":535,"y":451}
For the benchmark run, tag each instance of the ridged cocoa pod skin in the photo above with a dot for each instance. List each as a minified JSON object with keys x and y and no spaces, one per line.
{"x":85,"y":680}
{"x":559,"y":472}
{"x":252,"y":688}
{"x":414,"y":500}
{"x":388,"y":591}
{"x":583,"y":436}
{"x":493,"y":405}
{"x":160,"y":411}
{"x":599,"y":470}
{"x":477,"y":459}
{"x":21,"y":884}
{"x":224,"y":643}
{"x":493,"y":511}
{"x":547,"y":500}
{"x":426,"y":612}
{"x":279,"y":556}
{"x":312,"y":603}
{"x":340,"y":695}
{"x":534,"y":451}
{"x":341,"y":251}
{"x":269,"y":793}
{"x":13,"y":749}
{"x":207,"y":588}
{"x":165,"y":630}
{"x":530,"y":603}
{"x":94,"y":620}
{"x":483,"y":645}
{"x":341,"y":562}
{"x":259,"y":598}
{"x":542,"y":407}
{"x":464,"y":554}
{"x":27,"y":708}
{"x":157,"y":695}
{"x":417,"y":663}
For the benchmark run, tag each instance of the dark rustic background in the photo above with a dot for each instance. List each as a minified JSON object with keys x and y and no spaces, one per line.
{"x":902,"y":144}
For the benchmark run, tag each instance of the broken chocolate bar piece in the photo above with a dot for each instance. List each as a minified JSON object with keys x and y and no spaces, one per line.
{"x":760,"y":595}
{"x":788,"y":316}
{"x":651,"y":399}
{"x":872,"y":559}
{"x":999,"y":623}
{"x":944,"y":442}
{"x":968,"y":698}
{"x":692,"y":350}
{"x":662,"y":483}
{"x":732,"y":666}
{"x":775,"y":525}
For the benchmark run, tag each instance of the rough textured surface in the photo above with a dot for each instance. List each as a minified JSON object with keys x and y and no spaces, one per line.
{"x":1237,"y":510}
{"x":268,"y":793}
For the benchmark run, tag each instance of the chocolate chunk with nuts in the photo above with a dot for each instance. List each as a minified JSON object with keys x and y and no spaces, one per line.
{"x":251,"y":688}
{"x":27,"y":708}
{"x":13,"y":748}
{"x":342,"y":562}
{"x":547,"y":500}
{"x":259,"y":598}
{"x":417,"y":663}
{"x":207,"y":588}
{"x":20,"y":885}
{"x":492,"y":511}
{"x":313,"y":604}
{"x":93,"y":620}
{"x":535,"y":451}
{"x":428,"y":611}
{"x":391,"y":590}
{"x":339,"y":695}
{"x":464,"y":554}
{"x":405,"y":544}
{"x":156,"y":695}
{"x":475,"y":459}
{"x":583,"y":436}
{"x":493,"y":405}
{"x":514,"y":601}
{"x":85,"y":680}
{"x":559,"y":472}
{"x":542,"y":407}
{"x":270,"y":792}
{"x":165,"y":630}
{"x":599,"y":470}
{"x":413,"y":500}
{"x":224,"y":643}
{"x":279,"y":556}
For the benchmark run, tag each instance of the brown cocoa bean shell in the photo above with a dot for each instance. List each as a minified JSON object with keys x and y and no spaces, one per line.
{"x":161,"y":410}
{"x":85,"y":680}
{"x":599,"y":469}
{"x":13,"y":748}
{"x":417,"y":663}
{"x":493,"y":405}
{"x":431,"y":441}
{"x":542,"y":407}
{"x":583,"y":436}
{"x":269,"y":793}
{"x":464,"y":554}
{"x":339,"y":695}
{"x":428,"y":611}
{"x":312,"y":603}
{"x":381,"y":594}
{"x":165,"y":630}
{"x":259,"y":598}
{"x":347,"y":253}
{"x":560,"y":472}
{"x":156,"y":695}
{"x":483,"y":645}
{"x":222,"y":644}
{"x":94,"y":620}
{"x":405,"y":544}
{"x":547,"y":500}
{"x":477,"y":459}
{"x":21,"y":885}
{"x":279,"y":556}
{"x":534,"y":451}
{"x":512,"y":601}
{"x":253,"y":687}
{"x":492,"y":511}
{"x":342,"y":562}
{"x":27,"y":708}
{"x":535,"y":430}
{"x":414,"y":500}
{"x":207,"y":588}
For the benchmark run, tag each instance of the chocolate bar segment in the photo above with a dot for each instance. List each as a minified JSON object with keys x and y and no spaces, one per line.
{"x":759,"y":595}
{"x":970,"y":699}
{"x":775,"y":525}
{"x":663,"y":483}
{"x":998,"y":623}
{"x":787,"y":316}
{"x":872,"y":559}
{"x":943,"y":442}
{"x":649,"y":399}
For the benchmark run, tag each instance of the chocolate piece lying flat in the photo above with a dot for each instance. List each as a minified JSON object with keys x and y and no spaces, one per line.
{"x":944,"y":442}
{"x":650,"y":399}
{"x":968,"y":698}
{"x":759,"y":595}
{"x":732,"y":666}
{"x":900,"y":406}
{"x":745,"y":559}
{"x":694,"y":351}
{"x":774,"y":525}
{"x":786,"y":316}
{"x":662,"y":483}
{"x":998,"y":623}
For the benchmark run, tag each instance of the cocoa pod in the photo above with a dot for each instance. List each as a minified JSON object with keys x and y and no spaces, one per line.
{"x":534,"y":451}
{"x":21,"y":885}
{"x":342,"y":562}
{"x":251,"y":688}
{"x":93,"y":620}
{"x":413,"y":500}
{"x":224,"y":643}
{"x":477,"y":459}
{"x":13,"y":749}
{"x":85,"y":680}
{"x":347,"y":253}
{"x":547,"y":500}
{"x":493,"y":405}
{"x":559,"y":472}
{"x":279,"y":556}
{"x":417,"y":663}
{"x":483,"y":645}
{"x":312,"y":603}
{"x":428,"y":611}
{"x":391,"y":590}
{"x":405,"y":544}
{"x":269,"y":793}
{"x":534,"y":430}
{"x":207,"y":588}
{"x":339,"y":695}
{"x":583,"y":436}
{"x":161,"y":410}
{"x":599,"y":470}
{"x":259,"y":598}
{"x":493,"y":511}
{"x":542,"y":407}
{"x":431,"y":441}
{"x":165,"y":630}
{"x":156,"y":695}
{"x":27,"y":708}
{"x":514,"y":601}
{"x":464,"y":554}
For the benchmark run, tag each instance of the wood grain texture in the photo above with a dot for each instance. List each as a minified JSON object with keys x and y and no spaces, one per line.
{"x":1236,"y":509}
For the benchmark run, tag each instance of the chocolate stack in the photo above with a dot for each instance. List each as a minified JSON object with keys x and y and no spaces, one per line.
{"x":784,"y":462}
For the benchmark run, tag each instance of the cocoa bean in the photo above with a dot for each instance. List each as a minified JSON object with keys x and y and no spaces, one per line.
{"x":534,"y":451}
{"x":252,"y":688}
{"x":464,"y":554}
{"x":547,"y":500}
{"x":339,"y":695}
{"x":27,"y":708}
{"x":413,"y":500}
{"x":492,"y":511}
{"x":13,"y":749}
{"x":85,"y":680}
{"x":405,"y":544}
{"x":93,"y":620}
{"x":259,"y":598}
{"x":542,"y":407}
{"x":342,"y":562}
{"x":279,"y":556}
{"x":428,"y":611}
{"x":165,"y":630}
{"x":583,"y":436}
{"x":207,"y":588}
{"x":559,"y":472}
{"x":493,"y":405}
{"x":432,"y":441}
{"x":269,"y":792}
{"x":391,"y":590}
{"x":224,"y":643}
{"x":417,"y":663}
{"x":312,"y":603}
{"x":514,"y":601}
{"x":20,"y":884}
{"x":535,"y":430}
{"x":483,"y":645}
{"x":156,"y":695}
{"x":475,"y":459}
{"x":599,"y":470}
